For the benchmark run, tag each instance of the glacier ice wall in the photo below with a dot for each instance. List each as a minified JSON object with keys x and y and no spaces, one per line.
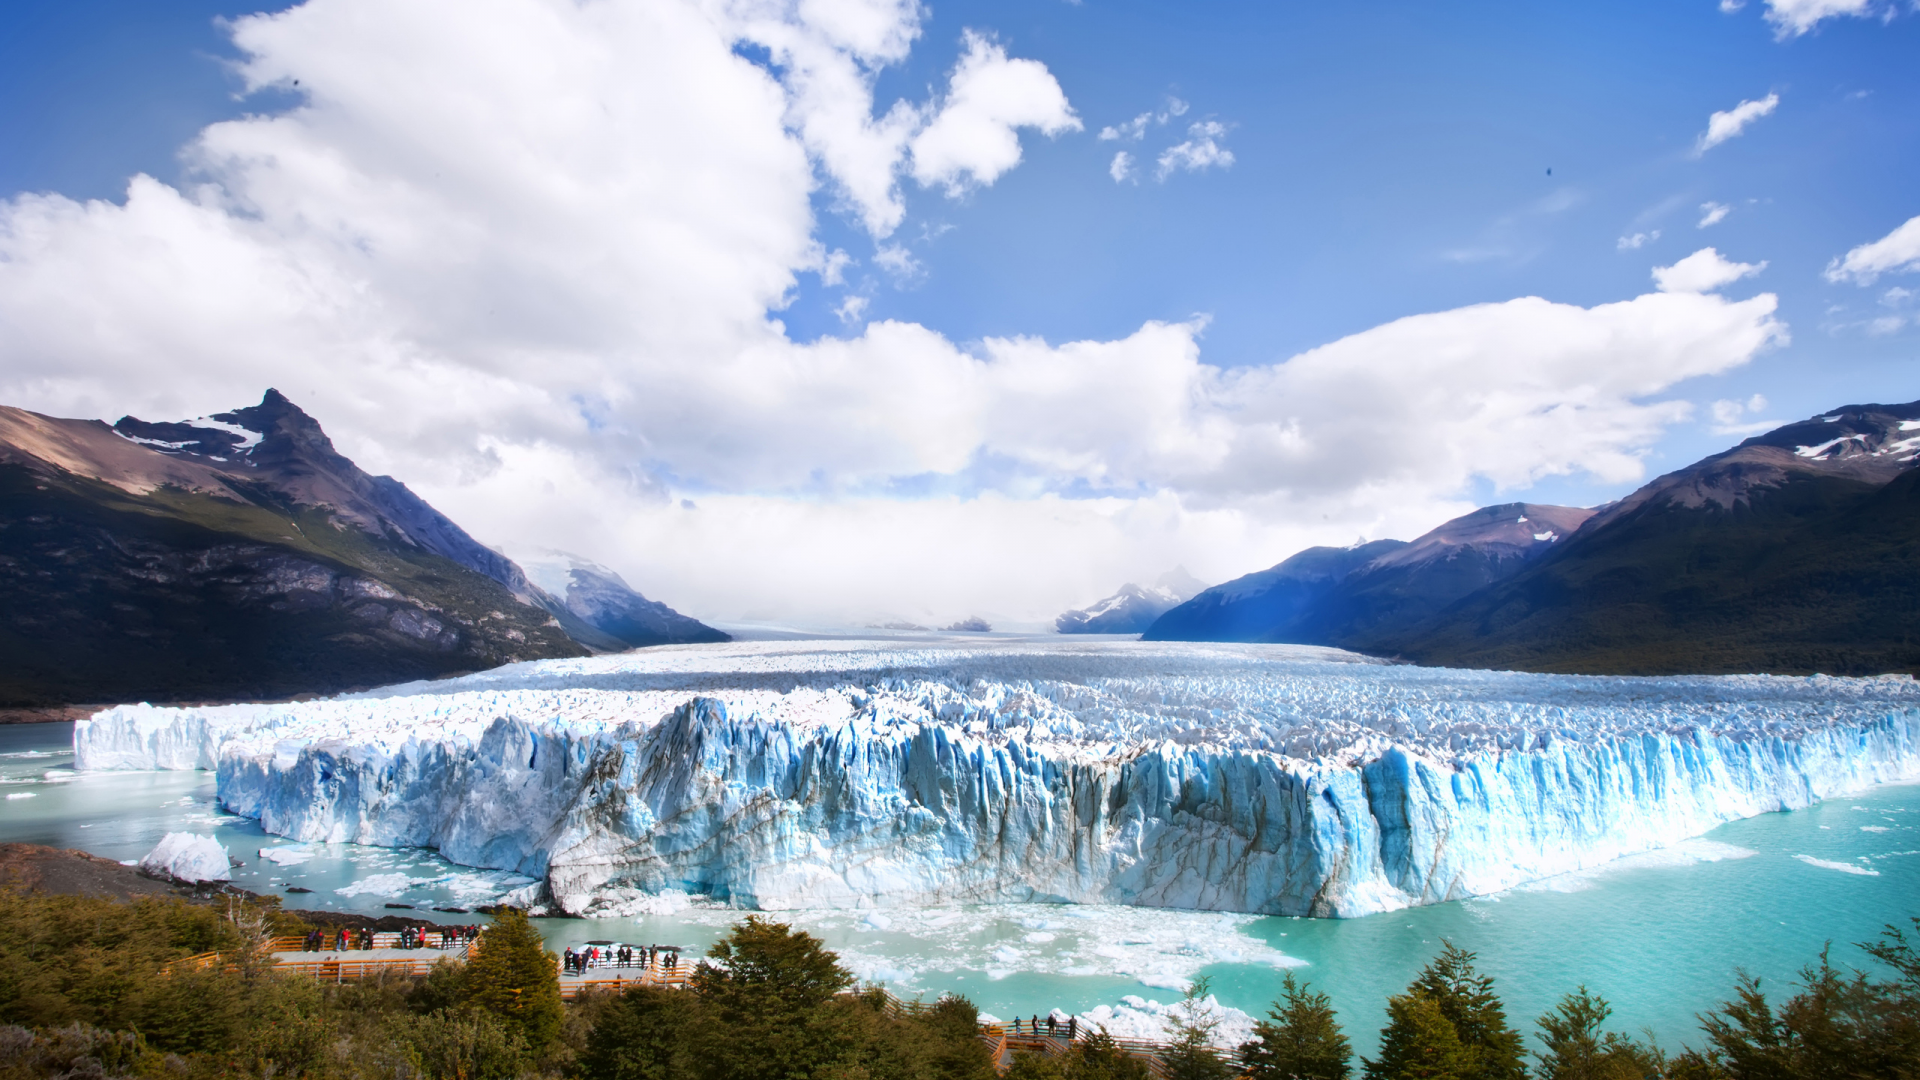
{"x":1275,"y":779}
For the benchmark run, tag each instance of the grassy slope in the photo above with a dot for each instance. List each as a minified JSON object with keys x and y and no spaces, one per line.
{"x":84,"y":619}
{"x":1819,"y":575}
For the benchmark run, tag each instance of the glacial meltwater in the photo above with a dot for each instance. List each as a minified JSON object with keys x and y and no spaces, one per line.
{"x":1660,"y":934}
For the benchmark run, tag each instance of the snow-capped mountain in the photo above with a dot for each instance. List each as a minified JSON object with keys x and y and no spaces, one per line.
{"x":602,"y":599}
{"x":1133,"y":608}
{"x":1796,"y":551}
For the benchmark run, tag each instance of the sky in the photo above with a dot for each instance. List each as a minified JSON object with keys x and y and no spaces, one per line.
{"x":848,"y":311}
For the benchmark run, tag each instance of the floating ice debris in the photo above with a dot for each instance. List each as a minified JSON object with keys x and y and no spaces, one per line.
{"x":286,"y":856}
{"x":187,"y":858}
{"x":785,"y":775}
{"x":1845,"y":868}
{"x":28,"y":795}
{"x":378,"y":885}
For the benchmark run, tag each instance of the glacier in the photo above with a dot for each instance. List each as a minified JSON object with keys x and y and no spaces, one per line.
{"x":1266,"y":779}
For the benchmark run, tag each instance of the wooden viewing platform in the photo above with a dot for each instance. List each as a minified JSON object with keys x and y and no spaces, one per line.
{"x":387,"y":958}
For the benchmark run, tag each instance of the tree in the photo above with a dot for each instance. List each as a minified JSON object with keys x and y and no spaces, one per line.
{"x":1097,"y":1057}
{"x":1190,"y":1054}
{"x":1578,"y":1050}
{"x":1836,"y":1026}
{"x":769,"y":994}
{"x":1418,"y":1043}
{"x":512,"y":976}
{"x":1448,"y":1020}
{"x":1301,"y":1040}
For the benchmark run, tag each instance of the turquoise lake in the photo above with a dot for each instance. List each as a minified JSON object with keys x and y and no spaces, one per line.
{"x":1659,"y":935}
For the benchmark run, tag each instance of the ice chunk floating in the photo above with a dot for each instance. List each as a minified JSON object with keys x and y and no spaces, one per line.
{"x":1274,"y":779}
{"x":187,"y":858}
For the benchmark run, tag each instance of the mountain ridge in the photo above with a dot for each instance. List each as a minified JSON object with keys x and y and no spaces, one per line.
{"x":239,"y":556}
{"x":1795,"y":551}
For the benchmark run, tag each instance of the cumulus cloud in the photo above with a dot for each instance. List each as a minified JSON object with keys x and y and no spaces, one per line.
{"x":1201,"y":150}
{"x":826,"y":56}
{"x":1703,"y":271}
{"x":1121,"y":168}
{"x":1792,"y":18}
{"x":1722,"y":126}
{"x":492,"y":265}
{"x":1636,"y":241}
{"x":1713,"y":213}
{"x":972,"y":138}
{"x":1896,"y":252}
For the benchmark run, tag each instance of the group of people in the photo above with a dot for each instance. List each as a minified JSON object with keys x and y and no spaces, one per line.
{"x":579,"y":962}
{"x":1070,"y":1028}
{"x":412,"y":937}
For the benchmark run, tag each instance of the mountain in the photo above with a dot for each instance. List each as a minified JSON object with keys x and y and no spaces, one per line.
{"x":602,"y":600}
{"x":1335,"y":596}
{"x":237,"y":556}
{"x":1259,"y":605}
{"x":1133,"y":608}
{"x":1797,"y":551}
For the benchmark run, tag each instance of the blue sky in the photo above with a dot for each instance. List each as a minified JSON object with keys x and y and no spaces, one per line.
{"x":1386,"y":162}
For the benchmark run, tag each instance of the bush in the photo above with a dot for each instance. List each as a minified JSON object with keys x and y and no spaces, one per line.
{"x":455,"y":1044}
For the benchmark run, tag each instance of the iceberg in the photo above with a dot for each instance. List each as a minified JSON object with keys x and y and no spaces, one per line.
{"x":188,"y":859}
{"x":1264,"y":779}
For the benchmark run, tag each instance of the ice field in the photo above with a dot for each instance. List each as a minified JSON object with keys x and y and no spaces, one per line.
{"x":855,"y":775}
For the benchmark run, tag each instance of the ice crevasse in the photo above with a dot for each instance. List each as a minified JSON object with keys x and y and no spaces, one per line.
{"x":1273,"y":779}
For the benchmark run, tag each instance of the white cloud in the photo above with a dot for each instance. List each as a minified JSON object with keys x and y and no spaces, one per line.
{"x":1636,"y":241}
{"x":1728,"y":7}
{"x":1896,"y":252}
{"x":972,"y":139}
{"x":483,"y":255}
{"x":1722,"y":126}
{"x":1136,"y":129}
{"x":899,"y":263}
{"x":827,"y":55}
{"x":1201,"y":150}
{"x":833,"y":267}
{"x":1122,"y":167}
{"x":852,"y":309}
{"x":1792,"y":18}
{"x":1728,"y":416}
{"x":1713,"y":213}
{"x":1703,"y":271}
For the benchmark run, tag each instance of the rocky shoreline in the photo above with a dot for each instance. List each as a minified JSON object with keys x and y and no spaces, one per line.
{"x":38,"y":868}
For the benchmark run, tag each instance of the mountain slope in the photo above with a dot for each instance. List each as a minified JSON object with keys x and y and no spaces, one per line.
{"x":1413,"y":583}
{"x":1797,"y":551}
{"x":235,"y":556}
{"x":1262,"y":604}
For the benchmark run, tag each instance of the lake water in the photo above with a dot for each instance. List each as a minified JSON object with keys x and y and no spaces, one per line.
{"x":1659,"y":935}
